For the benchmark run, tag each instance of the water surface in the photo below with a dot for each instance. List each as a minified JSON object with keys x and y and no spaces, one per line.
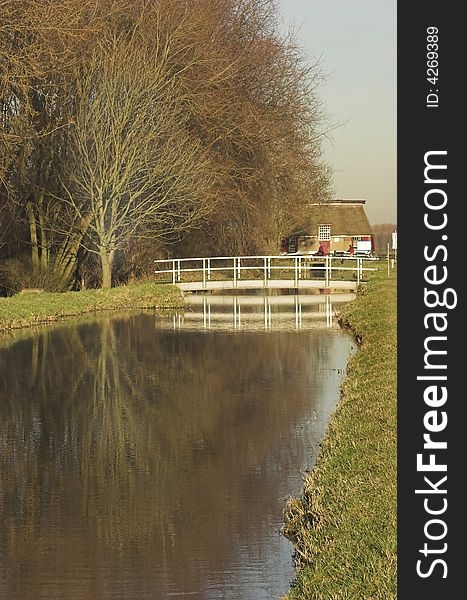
{"x":149,"y":457}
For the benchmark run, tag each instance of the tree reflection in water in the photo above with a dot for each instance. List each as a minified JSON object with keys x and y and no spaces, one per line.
{"x":136,"y":461}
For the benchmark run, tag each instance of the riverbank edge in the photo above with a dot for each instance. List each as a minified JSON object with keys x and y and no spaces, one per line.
{"x":37,"y":308}
{"x":343,"y":526}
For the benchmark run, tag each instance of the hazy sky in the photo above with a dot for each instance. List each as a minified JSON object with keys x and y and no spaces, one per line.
{"x":356,"y":40}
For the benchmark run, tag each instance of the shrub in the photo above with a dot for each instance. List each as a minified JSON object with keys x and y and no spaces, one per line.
{"x":18,"y":274}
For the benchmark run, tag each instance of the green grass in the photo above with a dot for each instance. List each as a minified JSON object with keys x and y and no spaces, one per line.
{"x":28,"y":309}
{"x":343,"y":527}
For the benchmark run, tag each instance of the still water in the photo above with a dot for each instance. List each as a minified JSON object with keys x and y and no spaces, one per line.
{"x":150,"y":457}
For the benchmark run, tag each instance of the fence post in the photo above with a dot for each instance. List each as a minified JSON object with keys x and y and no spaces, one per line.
{"x":235,"y":272}
{"x":173,"y":271}
{"x":209,"y":269}
{"x":358,"y":271}
{"x":326,"y":266}
{"x":388,"y":260}
{"x":179,"y":277}
{"x":204,"y":273}
{"x":265,"y":272}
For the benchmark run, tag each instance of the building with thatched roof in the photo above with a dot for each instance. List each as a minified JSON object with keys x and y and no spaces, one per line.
{"x":333,"y":227}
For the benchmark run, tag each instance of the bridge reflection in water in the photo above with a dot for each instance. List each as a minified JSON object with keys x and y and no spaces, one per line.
{"x":255,"y":313}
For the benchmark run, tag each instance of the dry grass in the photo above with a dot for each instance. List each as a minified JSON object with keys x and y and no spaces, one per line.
{"x":343,"y":527}
{"x":25,"y":310}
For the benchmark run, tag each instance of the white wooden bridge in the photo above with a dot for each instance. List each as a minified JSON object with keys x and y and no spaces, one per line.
{"x":260,"y":272}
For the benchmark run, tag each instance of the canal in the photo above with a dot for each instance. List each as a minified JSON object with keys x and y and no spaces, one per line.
{"x":147,"y":456}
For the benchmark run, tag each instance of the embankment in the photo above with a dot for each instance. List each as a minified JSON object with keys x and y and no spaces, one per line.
{"x":343,"y":527}
{"x":28,"y":309}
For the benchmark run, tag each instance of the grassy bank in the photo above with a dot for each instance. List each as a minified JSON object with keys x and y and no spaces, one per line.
{"x":344,"y":526}
{"x":28,"y":309}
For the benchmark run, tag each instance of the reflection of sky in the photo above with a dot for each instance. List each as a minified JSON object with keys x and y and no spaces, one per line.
{"x":357,"y":42}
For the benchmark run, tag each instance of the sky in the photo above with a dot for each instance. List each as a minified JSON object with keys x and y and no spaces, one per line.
{"x":356,"y":42}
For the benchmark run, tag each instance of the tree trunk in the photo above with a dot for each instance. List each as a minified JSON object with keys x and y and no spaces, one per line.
{"x":106,"y":264}
{"x":33,"y":236}
{"x":66,"y":258}
{"x":43,"y":232}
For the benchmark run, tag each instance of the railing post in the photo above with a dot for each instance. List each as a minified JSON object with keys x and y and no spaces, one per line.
{"x":173,"y":271}
{"x":204,"y":273}
{"x":209,"y":269}
{"x":358,"y":271}
{"x":239,"y":267}
{"x":299,"y":267}
{"x":265,"y":272}
{"x":179,"y":277}
{"x":235,"y":271}
{"x":269,"y":267}
{"x":326,"y":271}
{"x":330,"y":268}
{"x":388,"y":260}
{"x":295,"y":271}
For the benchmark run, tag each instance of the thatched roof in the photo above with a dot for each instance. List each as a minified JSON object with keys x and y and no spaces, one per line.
{"x":346,"y":217}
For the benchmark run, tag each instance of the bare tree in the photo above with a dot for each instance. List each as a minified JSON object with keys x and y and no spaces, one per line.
{"x":262,"y":122}
{"x":137,"y":169}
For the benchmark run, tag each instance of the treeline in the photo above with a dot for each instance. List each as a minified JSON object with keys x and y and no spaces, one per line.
{"x":383,"y":236}
{"x":138,"y":129}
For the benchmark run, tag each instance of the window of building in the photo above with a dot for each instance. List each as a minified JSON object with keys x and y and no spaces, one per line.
{"x":324,"y":233}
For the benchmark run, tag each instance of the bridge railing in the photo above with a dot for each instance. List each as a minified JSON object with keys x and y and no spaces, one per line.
{"x":265,"y":267}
